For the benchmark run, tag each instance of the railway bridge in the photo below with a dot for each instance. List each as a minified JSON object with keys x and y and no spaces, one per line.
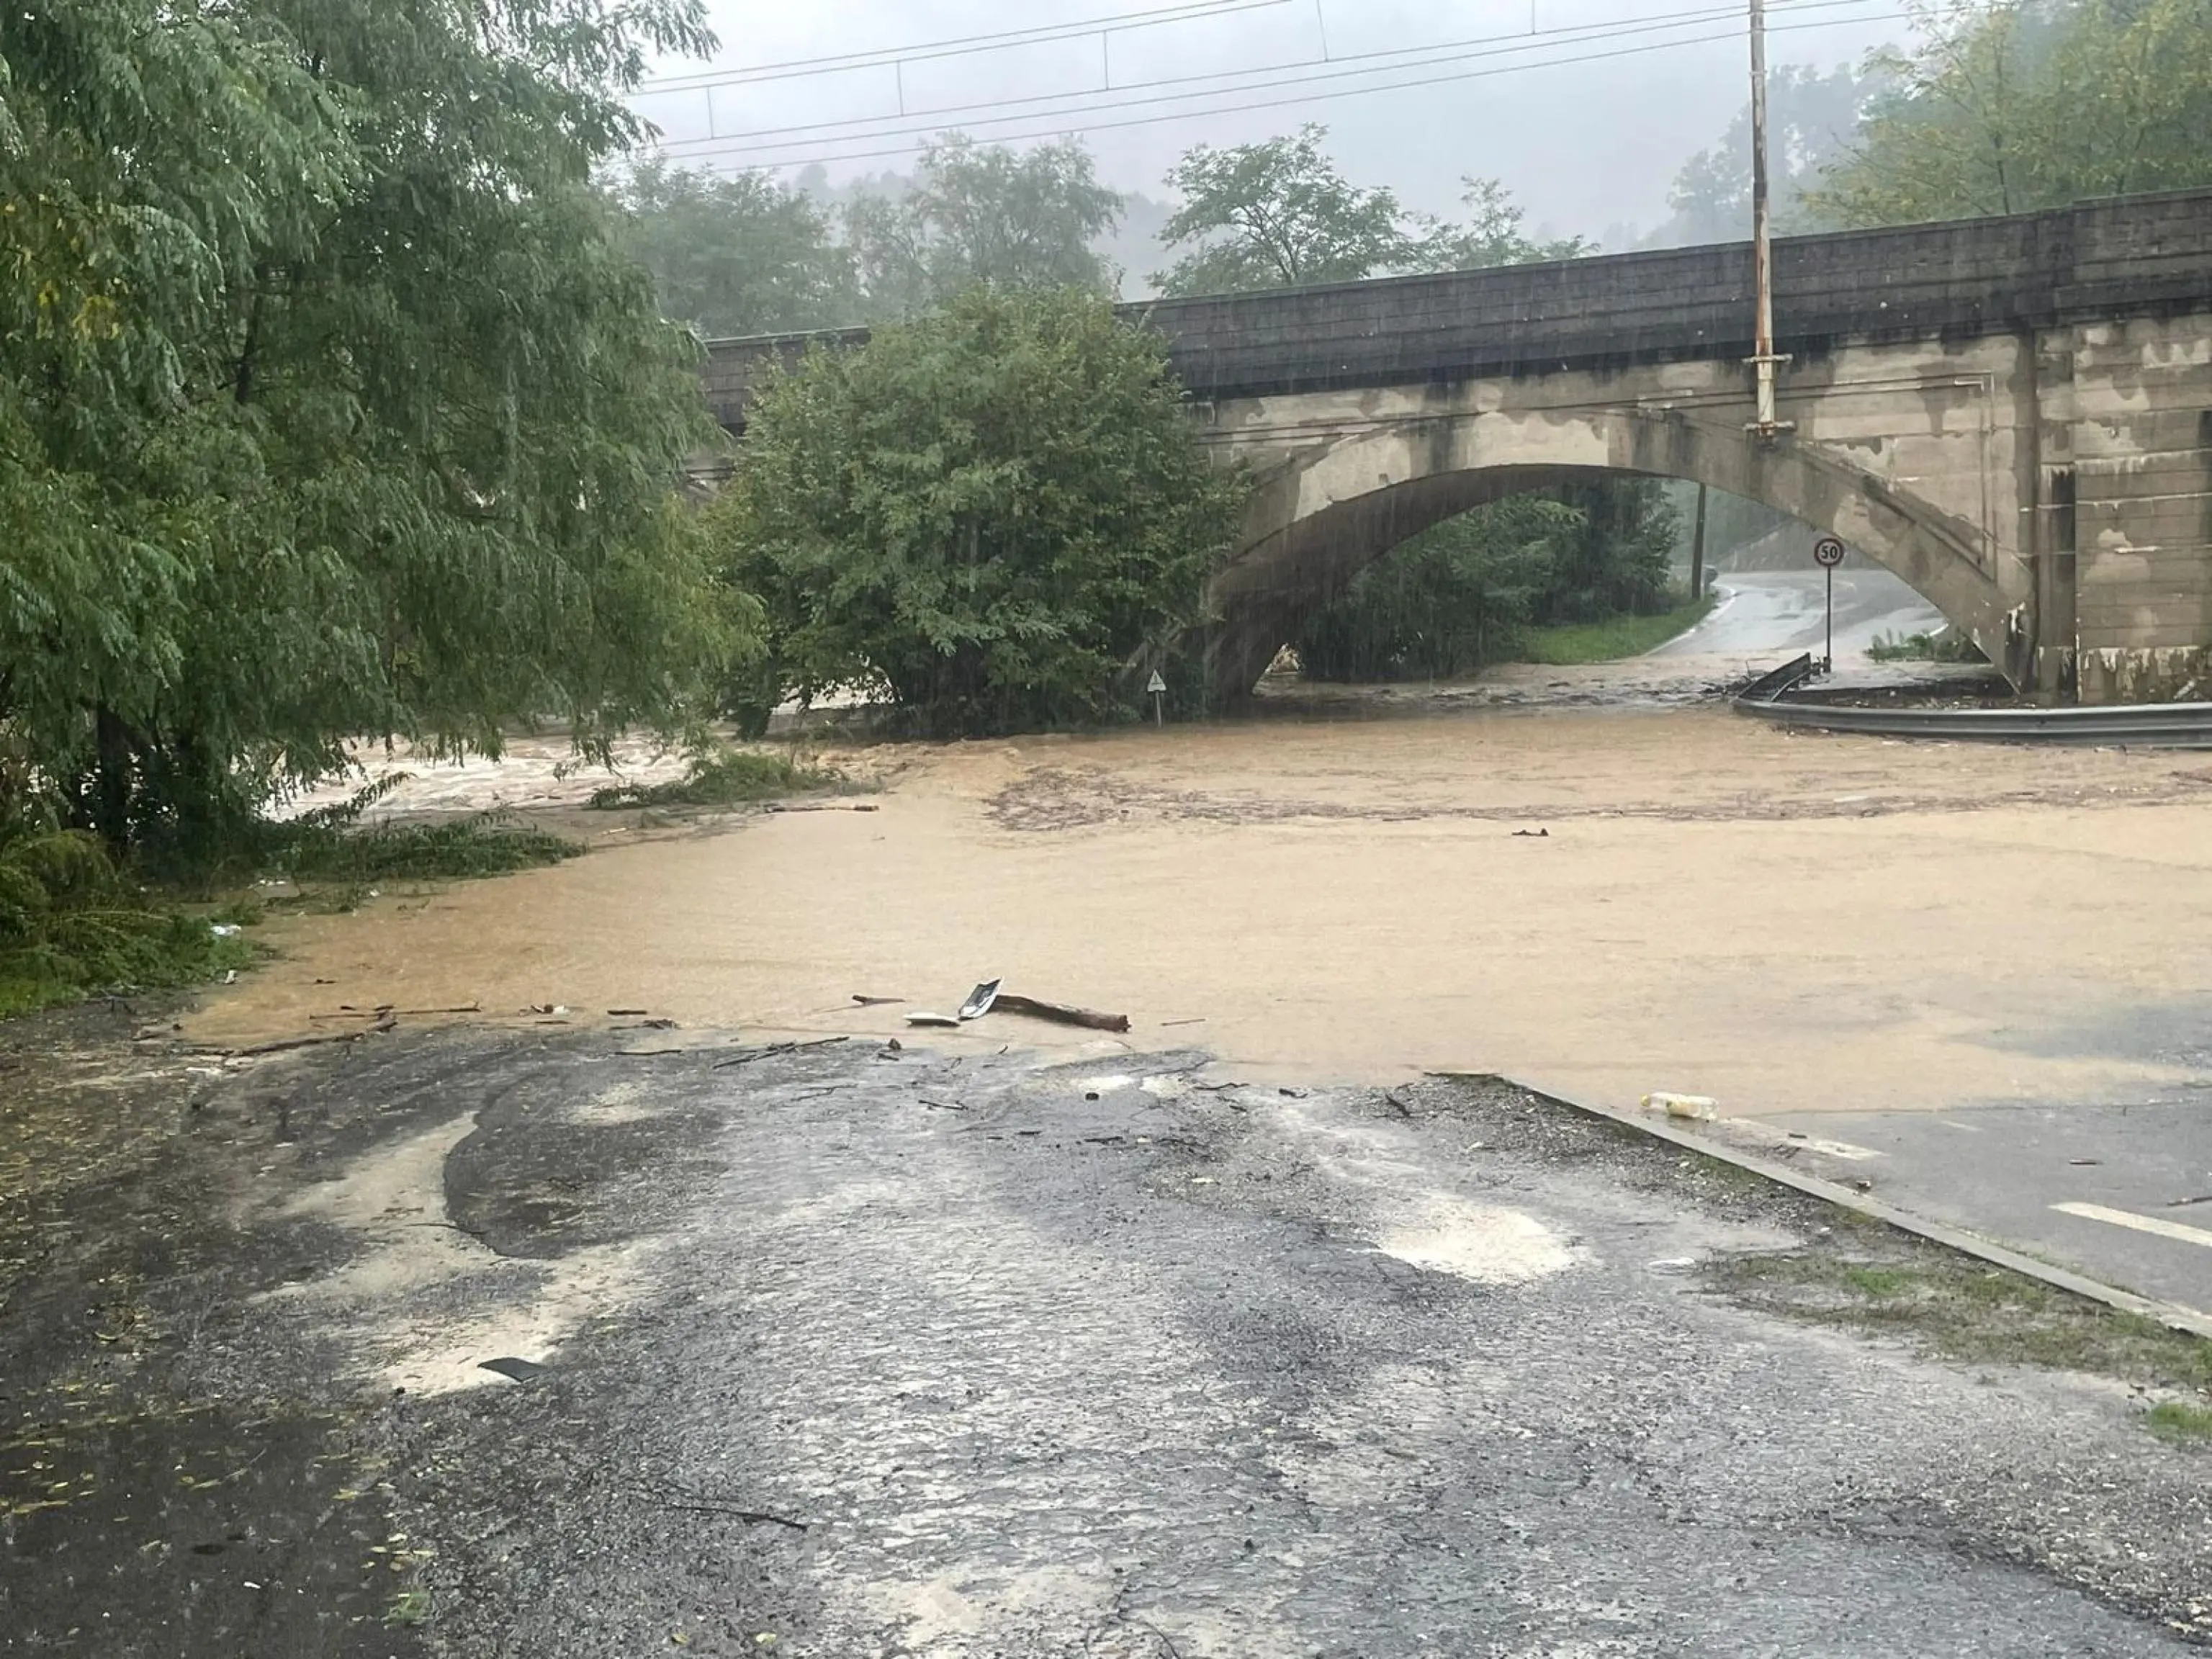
{"x":2013,"y":415}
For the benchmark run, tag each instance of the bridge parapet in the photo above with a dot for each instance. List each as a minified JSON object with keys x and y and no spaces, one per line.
{"x":2095,"y":263}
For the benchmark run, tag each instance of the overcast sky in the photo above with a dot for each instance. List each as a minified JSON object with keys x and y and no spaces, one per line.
{"x":1588,"y":146}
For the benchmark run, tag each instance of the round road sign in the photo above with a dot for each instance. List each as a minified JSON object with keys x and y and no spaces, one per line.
{"x":1827,"y":552}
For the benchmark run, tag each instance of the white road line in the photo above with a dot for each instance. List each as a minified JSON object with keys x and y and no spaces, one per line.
{"x":2142,"y":1223}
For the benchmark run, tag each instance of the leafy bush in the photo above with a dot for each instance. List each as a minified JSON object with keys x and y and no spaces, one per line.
{"x":332,"y":845}
{"x":1000,"y":514}
{"x":1467,"y":592}
{"x":70,"y":926}
{"x":487,"y":844}
{"x":1944,"y":644}
{"x":1446,"y":602}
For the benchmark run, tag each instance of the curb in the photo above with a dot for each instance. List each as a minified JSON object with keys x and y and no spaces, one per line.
{"x":2168,"y":1314}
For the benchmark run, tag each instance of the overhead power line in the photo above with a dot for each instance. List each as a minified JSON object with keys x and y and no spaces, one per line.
{"x":728,"y":156}
{"x":1189,"y":11}
{"x":1222,"y":81}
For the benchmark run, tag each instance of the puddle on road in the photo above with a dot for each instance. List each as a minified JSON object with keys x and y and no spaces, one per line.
{"x":624,"y":1103}
{"x":1780,"y":922}
{"x":1386,"y":1178}
{"x":425,"y":1303}
{"x":1484,"y":1243}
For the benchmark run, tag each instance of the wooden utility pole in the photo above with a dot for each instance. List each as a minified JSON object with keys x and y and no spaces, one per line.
{"x":1698,"y":552}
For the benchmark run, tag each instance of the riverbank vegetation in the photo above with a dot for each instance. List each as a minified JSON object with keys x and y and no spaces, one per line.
{"x":329,"y":406}
{"x":996,"y":518}
{"x":731,"y":777}
{"x":1566,"y":644}
{"x":1525,"y":574}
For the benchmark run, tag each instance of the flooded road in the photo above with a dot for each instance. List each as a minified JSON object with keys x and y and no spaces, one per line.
{"x":1786,"y":923}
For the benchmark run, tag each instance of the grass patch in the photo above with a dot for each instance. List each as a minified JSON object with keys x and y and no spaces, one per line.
{"x":492,"y":844}
{"x":329,"y":845}
{"x":1944,"y":645}
{"x":735,"y":777}
{"x":410,"y":1609}
{"x":1964,"y":1310}
{"x":75,"y":923}
{"x":1571,"y":643}
{"x":73,"y":926}
{"x":2174,"y":1420}
{"x":1880,"y":1284}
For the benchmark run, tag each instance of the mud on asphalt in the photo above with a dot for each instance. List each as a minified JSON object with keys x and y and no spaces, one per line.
{"x":848,"y":1351}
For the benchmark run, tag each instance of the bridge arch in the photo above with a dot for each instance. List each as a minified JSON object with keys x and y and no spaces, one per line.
{"x":1342,"y":499}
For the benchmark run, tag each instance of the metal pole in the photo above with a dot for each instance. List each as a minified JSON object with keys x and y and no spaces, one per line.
{"x":1698,"y":553}
{"x":1828,"y":653}
{"x":1764,"y":361}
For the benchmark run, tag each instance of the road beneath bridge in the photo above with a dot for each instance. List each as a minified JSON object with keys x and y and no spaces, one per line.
{"x":2012,"y":415}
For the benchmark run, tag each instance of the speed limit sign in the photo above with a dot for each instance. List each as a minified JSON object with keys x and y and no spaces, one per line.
{"x":1828,"y":553}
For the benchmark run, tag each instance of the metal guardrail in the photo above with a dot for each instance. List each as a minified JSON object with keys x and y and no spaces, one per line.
{"x":1776,"y":681}
{"x":2143,"y":725}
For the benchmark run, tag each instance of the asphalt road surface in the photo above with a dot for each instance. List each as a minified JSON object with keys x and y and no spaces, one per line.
{"x":1786,"y":610}
{"x":2124,"y":1193}
{"x":848,"y":1350}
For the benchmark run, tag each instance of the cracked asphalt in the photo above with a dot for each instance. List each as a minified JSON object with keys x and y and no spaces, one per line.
{"x":844,"y":1352}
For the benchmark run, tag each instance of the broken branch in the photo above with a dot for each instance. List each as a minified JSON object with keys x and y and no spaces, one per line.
{"x":1061,"y":1013}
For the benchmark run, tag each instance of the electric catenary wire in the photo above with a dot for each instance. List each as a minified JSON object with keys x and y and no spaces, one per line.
{"x":965,"y":45}
{"x":1343,"y":66}
{"x":731,"y":155}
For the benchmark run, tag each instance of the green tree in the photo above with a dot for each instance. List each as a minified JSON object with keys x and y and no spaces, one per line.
{"x":1812,"y":119}
{"x":2009,"y":107}
{"x":1280,"y":215}
{"x":976,"y":214}
{"x":1446,"y":602}
{"x":736,"y":256}
{"x":999,"y":514}
{"x":329,"y":406}
{"x":1277,"y":214}
{"x":1464,"y":593}
{"x":154,"y":158}
{"x":1492,"y":235}
{"x":1619,"y":561}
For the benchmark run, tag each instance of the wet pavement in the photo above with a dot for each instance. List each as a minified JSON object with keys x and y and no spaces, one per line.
{"x":852,"y":1350}
{"x":1782,"y":612}
{"x":2122,"y":1192}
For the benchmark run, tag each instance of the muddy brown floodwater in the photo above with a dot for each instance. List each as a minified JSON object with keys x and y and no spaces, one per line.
{"x":1784,"y":922}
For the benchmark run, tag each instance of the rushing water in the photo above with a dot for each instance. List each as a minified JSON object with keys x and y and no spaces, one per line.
{"x":1716,"y":908}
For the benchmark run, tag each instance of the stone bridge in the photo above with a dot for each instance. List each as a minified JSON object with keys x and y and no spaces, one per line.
{"x":2015,"y":415}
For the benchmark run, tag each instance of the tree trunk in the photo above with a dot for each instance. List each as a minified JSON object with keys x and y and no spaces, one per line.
{"x":111,"y":800}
